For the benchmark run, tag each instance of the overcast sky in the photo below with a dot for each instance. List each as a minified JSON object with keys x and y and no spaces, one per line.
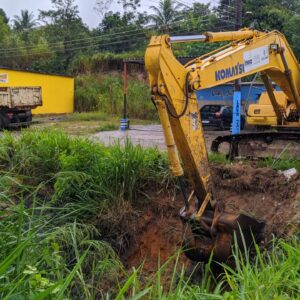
{"x":86,"y":7}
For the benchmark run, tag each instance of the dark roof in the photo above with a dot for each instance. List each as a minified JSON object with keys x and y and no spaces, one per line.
{"x":36,"y":72}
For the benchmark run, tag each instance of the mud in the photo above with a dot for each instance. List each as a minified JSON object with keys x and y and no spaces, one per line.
{"x":260,"y":192}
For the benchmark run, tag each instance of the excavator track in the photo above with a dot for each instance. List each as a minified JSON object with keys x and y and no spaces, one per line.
{"x":267,"y":137}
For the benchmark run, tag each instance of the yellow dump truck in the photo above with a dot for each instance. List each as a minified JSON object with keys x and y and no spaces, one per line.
{"x":16,"y":104}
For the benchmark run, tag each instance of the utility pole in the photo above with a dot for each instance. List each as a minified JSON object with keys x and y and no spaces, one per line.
{"x":238,"y":25}
{"x":238,"y":14}
{"x":237,"y":95}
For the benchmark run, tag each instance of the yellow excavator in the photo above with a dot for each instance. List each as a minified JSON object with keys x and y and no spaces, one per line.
{"x":173,"y":87}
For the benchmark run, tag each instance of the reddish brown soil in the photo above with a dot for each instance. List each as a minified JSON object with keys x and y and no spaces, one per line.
{"x":260,"y":192}
{"x":159,"y":236}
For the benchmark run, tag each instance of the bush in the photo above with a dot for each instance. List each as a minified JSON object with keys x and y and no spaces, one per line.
{"x":81,"y":167}
{"x":105,"y":93}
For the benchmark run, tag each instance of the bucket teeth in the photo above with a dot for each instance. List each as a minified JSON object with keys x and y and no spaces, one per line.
{"x":201,"y":242}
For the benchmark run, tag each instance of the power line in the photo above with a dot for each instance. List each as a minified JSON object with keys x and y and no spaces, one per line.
{"x":92,"y":39}
{"x":149,"y":27}
{"x":90,"y":46}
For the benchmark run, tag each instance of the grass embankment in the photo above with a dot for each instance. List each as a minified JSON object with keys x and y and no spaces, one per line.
{"x":66,"y":210}
{"x":67,"y":206}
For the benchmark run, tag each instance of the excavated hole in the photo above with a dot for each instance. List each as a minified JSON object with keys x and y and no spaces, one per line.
{"x":260,"y":192}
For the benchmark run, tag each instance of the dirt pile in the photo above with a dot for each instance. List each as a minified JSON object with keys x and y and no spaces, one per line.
{"x":260,"y":192}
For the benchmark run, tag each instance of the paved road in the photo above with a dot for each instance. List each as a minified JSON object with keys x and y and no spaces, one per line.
{"x":146,"y":136}
{"x":152,"y":136}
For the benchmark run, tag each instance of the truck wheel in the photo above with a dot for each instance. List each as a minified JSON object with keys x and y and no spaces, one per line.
{"x":29,"y":118}
{"x":4,"y":122}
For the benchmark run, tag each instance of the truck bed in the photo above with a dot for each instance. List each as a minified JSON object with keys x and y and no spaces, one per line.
{"x":20,"y":97}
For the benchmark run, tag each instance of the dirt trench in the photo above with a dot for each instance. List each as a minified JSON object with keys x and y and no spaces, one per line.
{"x":261,"y":192}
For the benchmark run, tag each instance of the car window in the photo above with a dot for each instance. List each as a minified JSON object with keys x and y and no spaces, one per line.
{"x":205,"y":108}
{"x":227,"y":110}
{"x":215,"y":108}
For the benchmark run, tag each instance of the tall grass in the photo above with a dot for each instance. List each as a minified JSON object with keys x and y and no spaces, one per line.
{"x":272,"y":274}
{"x":65,"y":204}
{"x":41,"y":261}
{"x":101,"y":62}
{"x":67,"y":211}
{"x":105,"y":93}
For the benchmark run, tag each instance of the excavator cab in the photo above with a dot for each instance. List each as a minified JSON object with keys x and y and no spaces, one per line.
{"x":262,"y":113}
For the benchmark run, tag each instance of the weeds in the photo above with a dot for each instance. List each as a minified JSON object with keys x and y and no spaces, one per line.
{"x":281,"y":163}
{"x":91,"y":116}
{"x":68,"y":205}
{"x":218,"y":158}
{"x":273,"y":274}
{"x":105,"y":93}
{"x":108,"y":127}
{"x":57,"y":194}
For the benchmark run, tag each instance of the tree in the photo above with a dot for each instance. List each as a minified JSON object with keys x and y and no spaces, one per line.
{"x":119,"y":32}
{"x":4,"y":29}
{"x":269,"y":14}
{"x":63,"y":25}
{"x":25,"y":21}
{"x":130,"y":5}
{"x":292,"y":30}
{"x":102,"y":6}
{"x":199,"y":18}
{"x":166,"y":14}
{"x":4,"y":16}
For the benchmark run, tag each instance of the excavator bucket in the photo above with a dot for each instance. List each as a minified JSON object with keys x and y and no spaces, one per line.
{"x":201,"y":240}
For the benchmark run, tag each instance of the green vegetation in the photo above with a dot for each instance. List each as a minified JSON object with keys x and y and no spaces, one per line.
{"x":57,"y":40}
{"x":64,"y":202}
{"x":271,"y":275}
{"x":218,"y":158}
{"x":83,"y":124}
{"x":67,"y":208}
{"x":105,"y":93}
{"x":281,"y":163}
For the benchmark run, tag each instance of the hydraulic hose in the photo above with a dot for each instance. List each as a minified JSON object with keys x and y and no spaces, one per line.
{"x":166,"y":100}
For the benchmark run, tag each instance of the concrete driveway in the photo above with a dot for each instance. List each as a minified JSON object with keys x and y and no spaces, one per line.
{"x":146,"y":136}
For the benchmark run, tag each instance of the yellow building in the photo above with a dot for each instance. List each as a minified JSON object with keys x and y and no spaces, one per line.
{"x":57,"y":90}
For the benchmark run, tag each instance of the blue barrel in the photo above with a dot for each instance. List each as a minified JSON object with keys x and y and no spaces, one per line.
{"x":124,"y":124}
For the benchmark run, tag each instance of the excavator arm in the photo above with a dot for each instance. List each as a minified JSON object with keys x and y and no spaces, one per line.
{"x":179,"y":115}
{"x":173,"y":93}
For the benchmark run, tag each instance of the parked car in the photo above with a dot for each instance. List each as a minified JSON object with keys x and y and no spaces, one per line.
{"x":219,"y":116}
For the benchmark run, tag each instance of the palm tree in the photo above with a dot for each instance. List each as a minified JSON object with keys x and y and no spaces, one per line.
{"x":166,"y":13}
{"x":24,"y":22}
